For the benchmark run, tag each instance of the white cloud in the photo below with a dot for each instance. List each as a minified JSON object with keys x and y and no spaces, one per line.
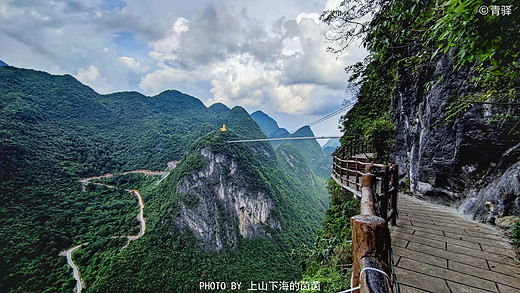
{"x":163,"y":78}
{"x":313,"y":16}
{"x":93,"y":78}
{"x":88,"y":75}
{"x":269,"y":54}
{"x":332,"y":4}
{"x":130,"y":63}
{"x":285,"y":68}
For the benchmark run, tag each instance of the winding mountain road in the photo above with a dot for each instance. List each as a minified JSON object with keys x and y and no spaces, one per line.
{"x":85,"y":181}
{"x":140,"y":217}
{"x":75,"y":270}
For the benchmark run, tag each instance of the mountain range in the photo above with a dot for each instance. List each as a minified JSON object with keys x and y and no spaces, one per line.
{"x":318,"y":160}
{"x":227,"y":212}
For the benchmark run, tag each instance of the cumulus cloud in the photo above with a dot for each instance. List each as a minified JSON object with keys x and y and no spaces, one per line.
{"x":92,"y":77}
{"x":269,"y":54}
{"x":131,"y":63}
{"x":284,"y":67}
{"x":62,"y":36}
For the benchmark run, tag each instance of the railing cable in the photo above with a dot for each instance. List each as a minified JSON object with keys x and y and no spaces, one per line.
{"x":361,"y":273}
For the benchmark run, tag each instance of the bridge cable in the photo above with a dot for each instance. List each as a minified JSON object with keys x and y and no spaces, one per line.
{"x":328,"y":116}
{"x":347,"y":107}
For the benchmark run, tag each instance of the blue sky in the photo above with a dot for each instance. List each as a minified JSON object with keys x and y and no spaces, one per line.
{"x":268,"y":55}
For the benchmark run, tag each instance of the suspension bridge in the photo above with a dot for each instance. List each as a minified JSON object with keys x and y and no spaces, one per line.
{"x":345,"y":108}
{"x":283,"y":138}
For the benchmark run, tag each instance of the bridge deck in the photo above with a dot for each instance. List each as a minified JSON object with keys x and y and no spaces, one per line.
{"x":438,"y":250}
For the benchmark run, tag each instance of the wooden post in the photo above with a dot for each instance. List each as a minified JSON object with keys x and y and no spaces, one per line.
{"x":384,"y":190}
{"x":342,"y":168}
{"x":370,"y":244}
{"x":357,"y":175}
{"x":393,"y":196}
{"x":367,"y":195}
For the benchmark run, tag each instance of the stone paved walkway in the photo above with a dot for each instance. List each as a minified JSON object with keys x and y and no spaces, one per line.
{"x":438,"y":250}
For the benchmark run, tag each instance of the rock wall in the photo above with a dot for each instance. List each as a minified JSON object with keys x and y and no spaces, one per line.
{"x":458,"y":162}
{"x":217,"y":206}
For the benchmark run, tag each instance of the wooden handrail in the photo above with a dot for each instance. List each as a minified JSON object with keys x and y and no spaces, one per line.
{"x":370,"y":233}
{"x":370,"y":241}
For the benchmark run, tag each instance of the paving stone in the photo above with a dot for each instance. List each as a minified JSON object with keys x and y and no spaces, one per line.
{"x":467,"y":259}
{"x":420,"y":257}
{"x":460,"y":288}
{"x":425,"y":221}
{"x":507,"y":289}
{"x":439,"y":220}
{"x":422,"y":228}
{"x":408,"y":289}
{"x":437,"y":229}
{"x":458,"y":242}
{"x":435,"y":247}
{"x":507,"y":250}
{"x":485,"y":273}
{"x":510,"y":270}
{"x":477,"y":253}
{"x":417,"y":280}
{"x":485,"y":233}
{"x":437,"y":272}
{"x":399,"y":242}
{"x":403,"y":230}
{"x":396,"y":235}
{"x":480,"y":240}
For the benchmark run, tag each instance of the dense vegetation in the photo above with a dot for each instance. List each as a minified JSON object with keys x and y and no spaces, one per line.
{"x":167,"y":259}
{"x":319,"y":162}
{"x":329,"y":259}
{"x":54,"y":131}
{"x":515,"y":235}
{"x":406,"y":38}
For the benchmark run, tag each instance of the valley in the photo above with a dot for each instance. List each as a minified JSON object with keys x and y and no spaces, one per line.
{"x":430,"y":98}
{"x":219,"y":210}
{"x":140,"y":216}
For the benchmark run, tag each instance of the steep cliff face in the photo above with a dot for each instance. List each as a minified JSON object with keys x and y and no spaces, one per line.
{"x":218,"y":207}
{"x":296,"y":162}
{"x":457,"y":161}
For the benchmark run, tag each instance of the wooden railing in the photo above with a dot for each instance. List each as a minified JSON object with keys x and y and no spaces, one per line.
{"x":384,"y":182}
{"x":376,"y":186}
{"x":355,"y":147}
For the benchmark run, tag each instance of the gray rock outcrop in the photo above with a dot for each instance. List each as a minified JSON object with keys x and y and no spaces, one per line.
{"x":218,"y":207}
{"x":459,"y":162}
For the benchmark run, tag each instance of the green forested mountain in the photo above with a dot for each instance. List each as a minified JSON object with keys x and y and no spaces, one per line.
{"x":268,"y":125}
{"x":257,"y":203}
{"x":2,"y":63}
{"x":310,"y":149}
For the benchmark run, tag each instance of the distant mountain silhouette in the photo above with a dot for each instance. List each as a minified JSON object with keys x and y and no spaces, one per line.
{"x":268,"y":125}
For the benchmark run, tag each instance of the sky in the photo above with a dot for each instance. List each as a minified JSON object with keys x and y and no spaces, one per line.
{"x":267,"y":55}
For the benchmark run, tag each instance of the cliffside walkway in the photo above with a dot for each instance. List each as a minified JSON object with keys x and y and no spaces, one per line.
{"x":435,"y":249}
{"x":438,"y":250}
